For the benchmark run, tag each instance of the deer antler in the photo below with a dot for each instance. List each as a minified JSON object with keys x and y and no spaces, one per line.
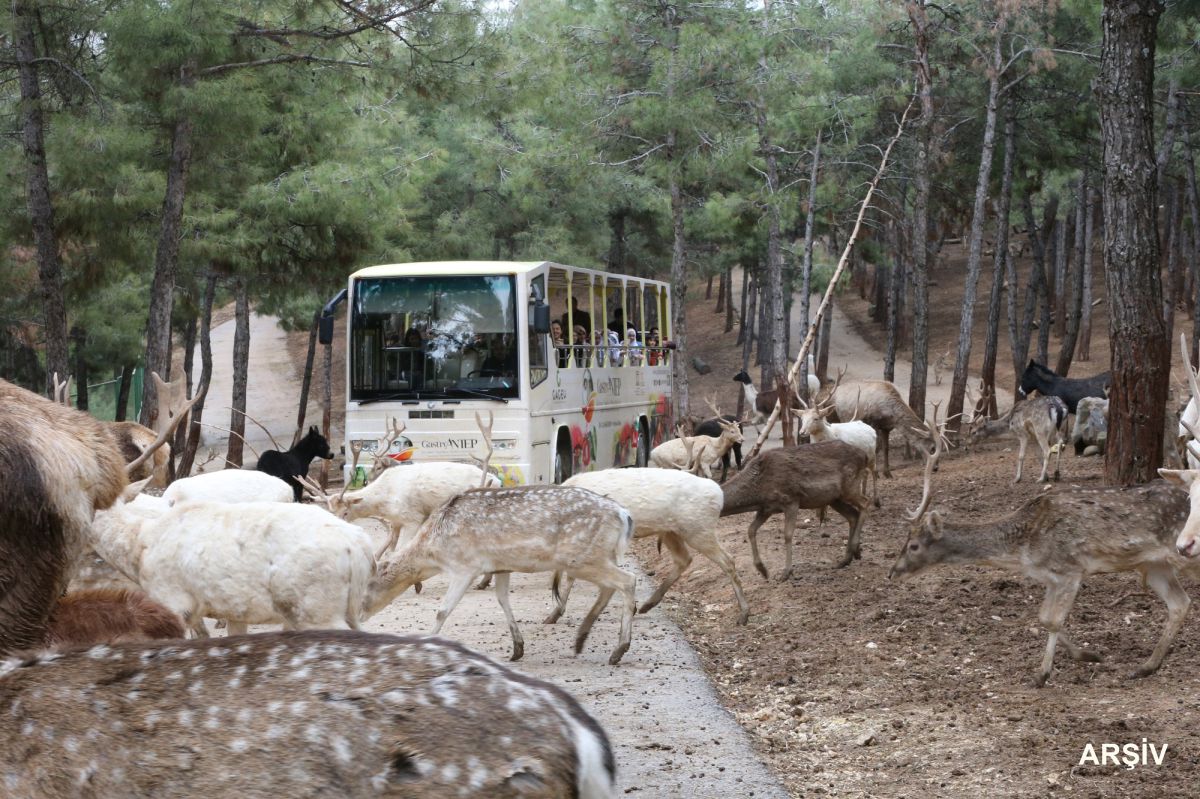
{"x":356,"y":447}
{"x":711,"y":402}
{"x":486,"y":432}
{"x":382,"y":461}
{"x":313,"y":489}
{"x":930,"y":464}
{"x":164,"y":436}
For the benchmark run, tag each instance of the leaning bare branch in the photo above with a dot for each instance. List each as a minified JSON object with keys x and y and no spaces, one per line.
{"x":274,"y":443}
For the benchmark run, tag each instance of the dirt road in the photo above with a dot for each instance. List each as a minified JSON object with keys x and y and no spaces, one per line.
{"x":671,"y":734}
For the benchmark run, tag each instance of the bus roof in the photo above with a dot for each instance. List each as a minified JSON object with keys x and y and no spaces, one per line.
{"x":483,"y":268}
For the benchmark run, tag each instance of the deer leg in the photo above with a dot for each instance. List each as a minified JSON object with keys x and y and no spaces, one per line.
{"x":585,"y":628}
{"x":711,"y":548}
{"x":457,"y":589}
{"x":1163,"y":581}
{"x":882,"y":445}
{"x":560,"y":604}
{"x":1020,"y":456}
{"x":1060,"y":596}
{"x":752,"y":534}
{"x":1044,"y":448}
{"x":1075,"y":652}
{"x":502,"y":597}
{"x":681,"y":560}
{"x":628,"y":588}
{"x":393,"y":537}
{"x":1058,"y":459}
{"x":789,"y":527}
{"x":484,"y":582}
{"x":854,"y":516}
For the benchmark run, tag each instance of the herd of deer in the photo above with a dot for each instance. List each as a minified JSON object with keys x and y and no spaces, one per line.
{"x":95,"y":704}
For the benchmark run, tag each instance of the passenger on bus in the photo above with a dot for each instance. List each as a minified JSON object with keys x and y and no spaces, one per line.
{"x":653,"y":352}
{"x":634,"y":346}
{"x":580,"y":345}
{"x":561,"y":353}
{"x":578,"y":317}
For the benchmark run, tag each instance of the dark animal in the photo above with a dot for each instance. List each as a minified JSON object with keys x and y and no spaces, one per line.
{"x":762,"y":402}
{"x":808,"y":476}
{"x":1070,"y":390}
{"x":352,"y":714}
{"x":287,"y":466}
{"x":712,"y":427}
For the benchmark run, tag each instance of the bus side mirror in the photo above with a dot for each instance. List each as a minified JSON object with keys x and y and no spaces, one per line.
{"x":325,"y":329}
{"x":541,"y":318}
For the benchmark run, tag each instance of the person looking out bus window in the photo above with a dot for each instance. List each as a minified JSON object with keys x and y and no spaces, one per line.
{"x":562,"y":354}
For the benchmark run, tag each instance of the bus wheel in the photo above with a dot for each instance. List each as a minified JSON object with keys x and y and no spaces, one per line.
{"x":562,"y":461}
{"x":643,"y":450}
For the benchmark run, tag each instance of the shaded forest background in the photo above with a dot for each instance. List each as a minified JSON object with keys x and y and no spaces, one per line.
{"x":164,"y":158}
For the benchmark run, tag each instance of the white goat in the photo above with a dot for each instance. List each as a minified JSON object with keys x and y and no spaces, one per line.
{"x":860,"y":435}
{"x":523,"y":529}
{"x":250,"y":563}
{"x":403,"y":497}
{"x":705,"y":451}
{"x":229,"y":485}
{"x":681,"y":509}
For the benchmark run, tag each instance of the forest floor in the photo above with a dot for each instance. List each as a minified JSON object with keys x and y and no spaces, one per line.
{"x":853,"y":685}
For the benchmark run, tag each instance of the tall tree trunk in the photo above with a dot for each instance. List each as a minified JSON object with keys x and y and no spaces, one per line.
{"x":895,"y":302}
{"x":327,"y":407}
{"x":922,"y":177}
{"x":1036,"y":289}
{"x":708,"y":288}
{"x":1062,"y":258}
{"x":729,"y":298}
{"x":822,"y":363}
{"x":679,"y":365}
{"x":1139,"y":345}
{"x":991,"y":339}
{"x":720,"y":292}
{"x":166,"y":262}
{"x":1174,"y":248}
{"x":962,"y":359}
{"x":747,"y":343}
{"x":123,"y":392}
{"x":744,"y":321}
{"x":1084,"y":352}
{"x":206,"y":366}
{"x":1194,"y":270}
{"x":241,"y":368}
{"x":81,"y":370}
{"x":810,"y":227}
{"x":1067,"y":353}
{"x":37,"y":192}
{"x":307,"y":380}
{"x":189,"y":354}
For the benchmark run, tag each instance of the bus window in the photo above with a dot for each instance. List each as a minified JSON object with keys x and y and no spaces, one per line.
{"x":537,"y":341}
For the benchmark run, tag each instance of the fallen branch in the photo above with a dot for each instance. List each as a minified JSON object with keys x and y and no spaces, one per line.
{"x":260,"y":427}
{"x":794,"y":371}
{"x":227,"y":430}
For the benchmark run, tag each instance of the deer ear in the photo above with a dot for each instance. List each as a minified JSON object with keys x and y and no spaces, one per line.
{"x":1180,"y":477}
{"x":133,"y":489}
{"x":933,"y":523}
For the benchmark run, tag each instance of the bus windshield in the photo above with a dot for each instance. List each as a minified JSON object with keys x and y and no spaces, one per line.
{"x":434,"y":337}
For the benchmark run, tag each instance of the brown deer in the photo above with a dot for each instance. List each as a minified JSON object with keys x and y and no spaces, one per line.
{"x":807,"y":476}
{"x":298,"y":714}
{"x":879,"y":404}
{"x":1058,"y":539}
{"x":1042,"y":419}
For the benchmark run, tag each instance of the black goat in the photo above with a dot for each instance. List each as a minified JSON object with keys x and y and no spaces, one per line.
{"x":712,"y":427}
{"x":1069,"y":390}
{"x":287,"y":466}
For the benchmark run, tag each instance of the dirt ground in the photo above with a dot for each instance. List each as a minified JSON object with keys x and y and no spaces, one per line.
{"x":853,"y":685}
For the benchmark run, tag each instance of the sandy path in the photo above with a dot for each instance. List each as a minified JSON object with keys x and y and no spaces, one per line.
{"x":671,"y":734}
{"x":272,"y":389}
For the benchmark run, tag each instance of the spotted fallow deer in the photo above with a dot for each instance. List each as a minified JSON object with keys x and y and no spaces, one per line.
{"x":298,"y":714}
{"x":1059,"y":538}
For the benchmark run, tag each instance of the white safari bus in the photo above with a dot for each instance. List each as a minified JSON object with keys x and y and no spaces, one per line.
{"x":573,"y":363}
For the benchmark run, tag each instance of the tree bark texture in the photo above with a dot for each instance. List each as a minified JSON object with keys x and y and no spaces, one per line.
{"x":307,"y":381}
{"x":166,"y":262}
{"x":1071,"y":335}
{"x":962,"y":359}
{"x":743,"y":319}
{"x":1139,"y":346}
{"x":37,"y":193}
{"x":895,"y":305}
{"x":810,"y":226}
{"x":79,"y":335}
{"x":123,"y":392}
{"x":1084,"y":351}
{"x":922,"y":179}
{"x":679,"y":361}
{"x":241,"y":367}
{"x":729,"y":299}
{"x":205,"y":335}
